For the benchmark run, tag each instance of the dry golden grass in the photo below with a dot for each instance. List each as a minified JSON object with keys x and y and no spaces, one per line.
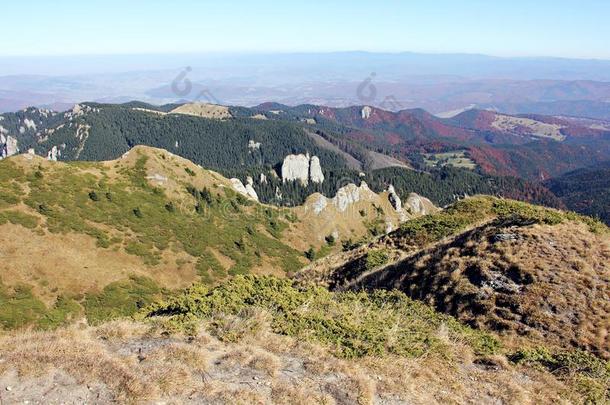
{"x":541,"y":284}
{"x":203,"y":110}
{"x":135,"y":363}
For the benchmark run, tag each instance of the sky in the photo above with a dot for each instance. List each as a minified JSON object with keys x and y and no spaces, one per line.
{"x":559,"y":28}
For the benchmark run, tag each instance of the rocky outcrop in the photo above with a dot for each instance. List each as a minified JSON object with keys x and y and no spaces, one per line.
{"x":54,"y":154}
{"x":246,"y":190}
{"x":302,"y":168}
{"x":350,"y":194}
{"x":79,"y":110}
{"x":29,"y":124}
{"x":394,"y":199}
{"x":366,"y":112}
{"x":418,"y":205}
{"x":319,"y":205}
{"x":8,"y":146}
{"x":252,"y":145}
{"x":250,"y":188}
{"x":296,"y":167}
{"x":315,"y":170}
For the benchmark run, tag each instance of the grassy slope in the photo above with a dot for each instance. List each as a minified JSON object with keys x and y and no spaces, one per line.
{"x":100,"y":233}
{"x":157,"y":227}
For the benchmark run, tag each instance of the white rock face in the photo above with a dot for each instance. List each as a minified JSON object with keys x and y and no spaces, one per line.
{"x":315,"y":170}
{"x":320,"y":204}
{"x":296,"y":167}
{"x":366,"y":112}
{"x":262,"y":179}
{"x":302,"y":168}
{"x":250,"y":188}
{"x":252,"y":145}
{"x":54,"y":154}
{"x":394,"y":199}
{"x":246,"y":190}
{"x":3,"y":131}
{"x":8,"y":146}
{"x":351,"y":194}
{"x":418,"y":205}
{"x":29,"y":124}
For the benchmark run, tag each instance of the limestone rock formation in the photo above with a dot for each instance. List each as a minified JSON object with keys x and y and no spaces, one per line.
{"x":351,"y":194}
{"x":54,"y":154}
{"x":296,"y":167}
{"x":253,"y":145}
{"x":29,"y":124}
{"x":315,"y":170}
{"x":246,"y":190}
{"x":8,"y":146}
{"x":320,"y":204}
{"x":302,"y":168}
{"x":394,"y":199}
{"x":250,"y":188}
{"x":366,"y":112}
{"x":417,"y":205}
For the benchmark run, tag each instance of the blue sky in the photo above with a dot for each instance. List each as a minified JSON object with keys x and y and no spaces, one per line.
{"x":560,"y":28}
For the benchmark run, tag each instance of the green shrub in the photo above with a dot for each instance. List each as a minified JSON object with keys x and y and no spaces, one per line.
{"x":352,"y":324}
{"x":20,"y":308}
{"x":310,"y":254}
{"x":589,"y":374}
{"x":120,"y":299}
{"x":376,"y":258}
{"x":19,"y":218}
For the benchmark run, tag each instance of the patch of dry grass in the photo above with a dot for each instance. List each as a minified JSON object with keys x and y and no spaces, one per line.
{"x":138,"y":363}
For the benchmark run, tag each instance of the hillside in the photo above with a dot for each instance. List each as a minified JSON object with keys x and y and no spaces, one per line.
{"x":523,"y":146}
{"x":151,"y":222}
{"x":245,"y":358}
{"x":585,"y":190}
{"x":526,"y":272}
{"x":162,"y":275}
{"x":242,"y":146}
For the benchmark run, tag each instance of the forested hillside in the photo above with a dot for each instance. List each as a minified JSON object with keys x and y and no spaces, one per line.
{"x":585,"y":190}
{"x":353,"y":144}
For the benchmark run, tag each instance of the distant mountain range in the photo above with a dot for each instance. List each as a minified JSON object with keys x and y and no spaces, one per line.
{"x":441,"y":84}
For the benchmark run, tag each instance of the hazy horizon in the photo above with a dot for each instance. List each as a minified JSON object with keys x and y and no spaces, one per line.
{"x":507,"y":29}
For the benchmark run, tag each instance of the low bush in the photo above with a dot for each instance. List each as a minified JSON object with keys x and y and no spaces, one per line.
{"x":352,"y":324}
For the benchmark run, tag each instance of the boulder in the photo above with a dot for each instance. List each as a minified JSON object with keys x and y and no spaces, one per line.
{"x":418,"y":205}
{"x":246,"y":190}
